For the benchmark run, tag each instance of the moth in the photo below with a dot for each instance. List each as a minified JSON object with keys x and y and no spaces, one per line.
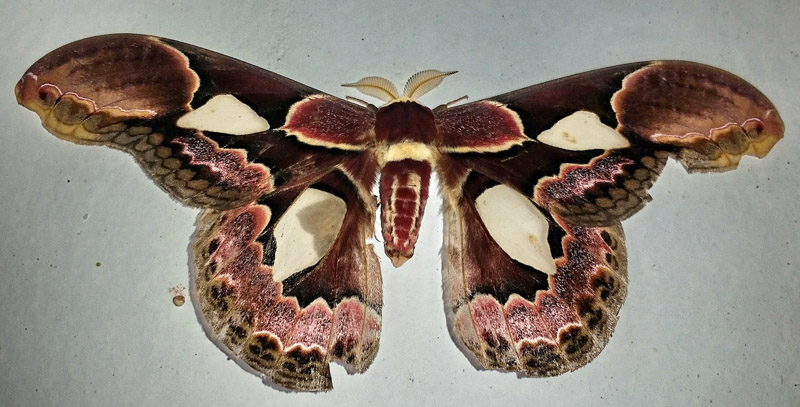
{"x":535,"y":183}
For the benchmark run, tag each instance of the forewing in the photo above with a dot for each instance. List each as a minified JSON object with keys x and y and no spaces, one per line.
{"x":589,"y":146}
{"x":536,"y":182}
{"x":209,"y":129}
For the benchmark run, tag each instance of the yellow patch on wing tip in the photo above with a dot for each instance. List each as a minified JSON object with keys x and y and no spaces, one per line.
{"x":224,"y":114}
{"x":582,"y":131}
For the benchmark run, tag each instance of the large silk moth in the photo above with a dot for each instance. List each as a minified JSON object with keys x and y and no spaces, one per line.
{"x":535,"y":183}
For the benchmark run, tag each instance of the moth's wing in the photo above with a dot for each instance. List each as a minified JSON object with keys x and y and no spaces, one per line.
{"x":536,"y":182}
{"x":527,"y":290}
{"x":248,"y":145}
{"x":205,"y":127}
{"x":288,"y":282}
{"x":589,"y":146}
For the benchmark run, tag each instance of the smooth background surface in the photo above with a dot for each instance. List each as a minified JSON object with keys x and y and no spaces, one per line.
{"x":713,"y":305}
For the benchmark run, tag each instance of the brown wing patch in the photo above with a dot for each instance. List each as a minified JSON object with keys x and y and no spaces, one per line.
{"x":84,"y":87}
{"x":481,"y":127}
{"x":713,"y":116}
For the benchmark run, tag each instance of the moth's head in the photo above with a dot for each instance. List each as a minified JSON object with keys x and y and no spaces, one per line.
{"x":417,"y":85}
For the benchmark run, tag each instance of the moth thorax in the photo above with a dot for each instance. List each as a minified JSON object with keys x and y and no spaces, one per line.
{"x":405,"y":120}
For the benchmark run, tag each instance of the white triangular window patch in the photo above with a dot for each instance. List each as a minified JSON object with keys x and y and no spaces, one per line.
{"x":581,"y":131}
{"x":224,"y":114}
{"x":306,"y":231}
{"x":518,"y":227}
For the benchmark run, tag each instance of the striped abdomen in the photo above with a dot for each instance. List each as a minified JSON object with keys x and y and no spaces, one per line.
{"x":404,"y":191}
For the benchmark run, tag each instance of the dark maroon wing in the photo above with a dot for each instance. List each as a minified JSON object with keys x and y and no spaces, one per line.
{"x":538,"y":289}
{"x":288,"y":282}
{"x":703,"y":116}
{"x":262,"y":154}
{"x":145,"y":95}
